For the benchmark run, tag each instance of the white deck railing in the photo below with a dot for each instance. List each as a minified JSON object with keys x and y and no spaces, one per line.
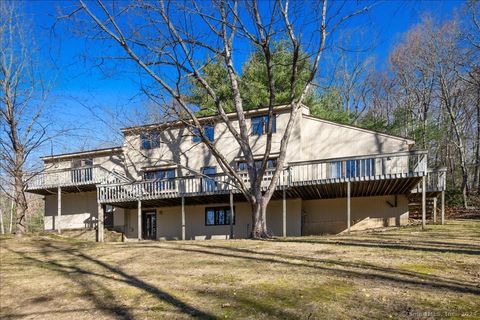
{"x":436,"y":181}
{"x":68,"y":177}
{"x":182,"y":186}
{"x":372,"y":167}
{"x":361,"y":168}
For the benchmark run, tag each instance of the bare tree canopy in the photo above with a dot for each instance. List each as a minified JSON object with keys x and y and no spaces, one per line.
{"x":22,"y":98}
{"x":173,"y":42}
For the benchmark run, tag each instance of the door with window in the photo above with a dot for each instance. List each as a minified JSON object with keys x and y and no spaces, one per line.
{"x":208,"y":179}
{"x":149,"y":225}
{"x":108,"y":216}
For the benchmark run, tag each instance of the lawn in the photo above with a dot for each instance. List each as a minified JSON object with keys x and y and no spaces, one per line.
{"x":399,"y":273}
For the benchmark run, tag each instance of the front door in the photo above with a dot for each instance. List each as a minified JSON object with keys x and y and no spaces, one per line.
{"x":149,"y":225}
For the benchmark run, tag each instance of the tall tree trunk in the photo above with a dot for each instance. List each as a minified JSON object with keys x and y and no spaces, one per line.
{"x":11,"y":216}
{"x":259,"y":218}
{"x":476,"y":177}
{"x":2,"y":228}
{"x":424,"y":126}
{"x":22,"y":206}
{"x":461,"y":153}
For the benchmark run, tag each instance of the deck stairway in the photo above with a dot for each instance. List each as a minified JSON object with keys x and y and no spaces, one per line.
{"x":435,"y":185}
{"x":415,"y":209}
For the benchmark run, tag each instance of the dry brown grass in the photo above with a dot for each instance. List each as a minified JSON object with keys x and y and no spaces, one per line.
{"x":399,"y":273}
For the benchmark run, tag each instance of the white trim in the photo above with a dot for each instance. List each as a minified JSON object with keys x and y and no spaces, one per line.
{"x":71,"y":155}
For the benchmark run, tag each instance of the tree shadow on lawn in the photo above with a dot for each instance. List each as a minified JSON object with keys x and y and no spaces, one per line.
{"x":427,"y":243}
{"x":434,"y":247}
{"x":341,"y":268}
{"x":102,"y":297}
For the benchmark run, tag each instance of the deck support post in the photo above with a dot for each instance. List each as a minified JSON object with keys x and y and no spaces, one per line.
{"x":139,"y":220}
{"x":349,"y":189}
{"x":59,"y":208}
{"x":125,"y":224}
{"x":232,"y":214}
{"x":284,"y":212}
{"x":100,"y":223}
{"x":443,"y":207}
{"x":435,"y":210}
{"x":183,"y":218}
{"x":424,"y":202}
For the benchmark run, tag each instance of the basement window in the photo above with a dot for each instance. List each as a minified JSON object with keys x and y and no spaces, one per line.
{"x":218,"y":216}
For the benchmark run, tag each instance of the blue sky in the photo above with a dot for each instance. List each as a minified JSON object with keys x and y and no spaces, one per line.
{"x":111,"y":92}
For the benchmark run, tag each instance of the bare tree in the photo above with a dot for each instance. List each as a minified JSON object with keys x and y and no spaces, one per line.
{"x":22,"y":95}
{"x":172,"y":41}
{"x":471,"y":31}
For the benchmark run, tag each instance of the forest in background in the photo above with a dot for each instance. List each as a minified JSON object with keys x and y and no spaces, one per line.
{"x":429,"y":91}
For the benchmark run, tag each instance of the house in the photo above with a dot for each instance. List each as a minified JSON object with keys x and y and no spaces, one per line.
{"x":163,"y":183}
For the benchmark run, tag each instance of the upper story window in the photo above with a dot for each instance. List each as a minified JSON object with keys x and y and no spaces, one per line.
{"x":271,"y":164}
{"x":82,"y":170}
{"x":150,"y":140}
{"x":360,"y":168}
{"x":159,"y":174}
{"x":82,"y":163}
{"x":352,"y":168}
{"x":208,"y":130}
{"x":260,"y":125}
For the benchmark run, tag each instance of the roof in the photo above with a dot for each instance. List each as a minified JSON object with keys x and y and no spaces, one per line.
{"x":82,"y":153}
{"x":232,"y":115}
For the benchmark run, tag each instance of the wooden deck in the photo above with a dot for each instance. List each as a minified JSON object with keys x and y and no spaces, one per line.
{"x":369,"y":175}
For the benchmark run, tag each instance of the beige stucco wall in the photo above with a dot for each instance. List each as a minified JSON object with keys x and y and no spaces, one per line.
{"x":177,"y":147}
{"x":330,"y":215}
{"x":79,"y":210}
{"x":324,"y":140}
{"x":169,"y":221}
{"x":109,"y":162}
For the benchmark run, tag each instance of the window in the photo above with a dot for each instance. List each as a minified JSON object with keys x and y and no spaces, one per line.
{"x":108,"y":216}
{"x":218,"y":216}
{"x":82,"y":170}
{"x":271,"y":164}
{"x":208,"y":183}
{"x":260,"y":124}
{"x":353,"y":168}
{"x":162,"y":180}
{"x":150,"y":140}
{"x":208,"y":130}
{"x":159,"y":174}
{"x":82,"y":163}
{"x":336,"y":169}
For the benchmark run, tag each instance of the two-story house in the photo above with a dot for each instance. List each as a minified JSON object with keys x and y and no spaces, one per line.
{"x":163,"y":183}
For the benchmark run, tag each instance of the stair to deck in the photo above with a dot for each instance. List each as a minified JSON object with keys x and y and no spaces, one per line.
{"x":415,"y":208}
